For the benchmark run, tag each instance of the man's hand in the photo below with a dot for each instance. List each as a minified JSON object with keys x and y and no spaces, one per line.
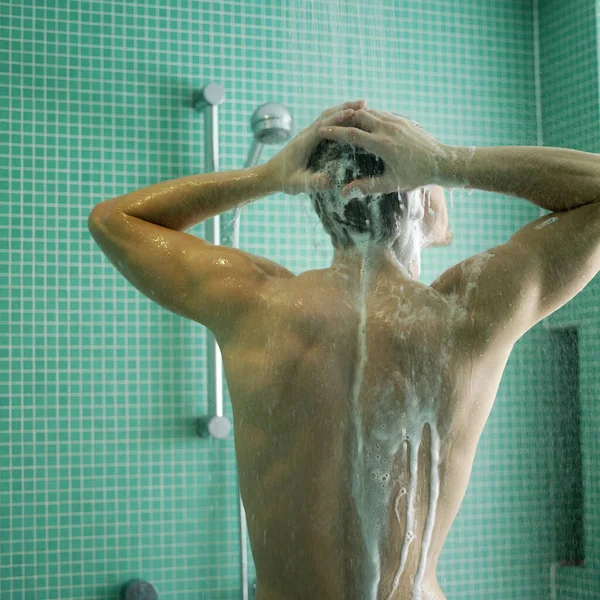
{"x":288,"y":167}
{"x":410,"y":154}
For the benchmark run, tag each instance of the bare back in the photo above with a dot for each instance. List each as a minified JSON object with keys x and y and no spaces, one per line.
{"x":335,"y":506}
{"x":357,"y":410}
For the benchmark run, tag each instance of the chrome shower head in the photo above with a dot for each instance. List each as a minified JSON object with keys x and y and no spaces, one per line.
{"x":271,"y":123}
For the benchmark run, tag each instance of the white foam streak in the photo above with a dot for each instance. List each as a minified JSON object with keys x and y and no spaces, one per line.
{"x":409,"y":535}
{"x":434,"y":491}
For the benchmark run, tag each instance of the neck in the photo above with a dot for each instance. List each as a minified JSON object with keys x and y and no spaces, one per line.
{"x":403,"y":259}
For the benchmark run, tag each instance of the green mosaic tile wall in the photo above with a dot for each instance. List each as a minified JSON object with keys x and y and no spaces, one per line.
{"x":103,"y":478}
{"x":569,"y":44}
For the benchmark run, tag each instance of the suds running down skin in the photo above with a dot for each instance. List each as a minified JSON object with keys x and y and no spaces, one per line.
{"x":374,"y":456}
{"x":360,"y":222}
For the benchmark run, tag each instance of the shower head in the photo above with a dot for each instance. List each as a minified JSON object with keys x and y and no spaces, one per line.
{"x":271,"y":123}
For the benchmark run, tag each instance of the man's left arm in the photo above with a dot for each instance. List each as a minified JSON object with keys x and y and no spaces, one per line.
{"x":142,"y":234}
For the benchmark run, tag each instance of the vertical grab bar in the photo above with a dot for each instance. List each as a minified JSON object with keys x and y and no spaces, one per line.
{"x":218,"y":426}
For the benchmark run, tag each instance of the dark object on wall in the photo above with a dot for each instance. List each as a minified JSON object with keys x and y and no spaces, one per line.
{"x":138,"y":589}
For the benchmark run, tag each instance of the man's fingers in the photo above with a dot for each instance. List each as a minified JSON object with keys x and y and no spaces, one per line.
{"x":387,"y":116}
{"x":365,"y":120}
{"x":354,"y":136}
{"x":338,"y":117}
{"x":354,"y":105}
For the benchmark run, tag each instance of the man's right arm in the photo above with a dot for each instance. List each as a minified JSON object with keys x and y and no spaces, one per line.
{"x":547,"y":262}
{"x":555,"y":179}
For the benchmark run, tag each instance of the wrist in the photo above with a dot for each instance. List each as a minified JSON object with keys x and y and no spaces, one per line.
{"x":452,"y":165}
{"x":269,"y":182}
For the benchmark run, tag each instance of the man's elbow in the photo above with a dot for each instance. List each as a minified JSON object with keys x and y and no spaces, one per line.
{"x":97,"y":215}
{"x":98,"y":220}
{"x":101,"y":225}
{"x":94,"y":220}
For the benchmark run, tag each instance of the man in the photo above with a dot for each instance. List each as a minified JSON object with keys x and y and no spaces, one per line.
{"x":359,"y":394}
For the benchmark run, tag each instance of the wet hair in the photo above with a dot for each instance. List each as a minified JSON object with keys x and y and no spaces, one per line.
{"x":372,"y":217}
